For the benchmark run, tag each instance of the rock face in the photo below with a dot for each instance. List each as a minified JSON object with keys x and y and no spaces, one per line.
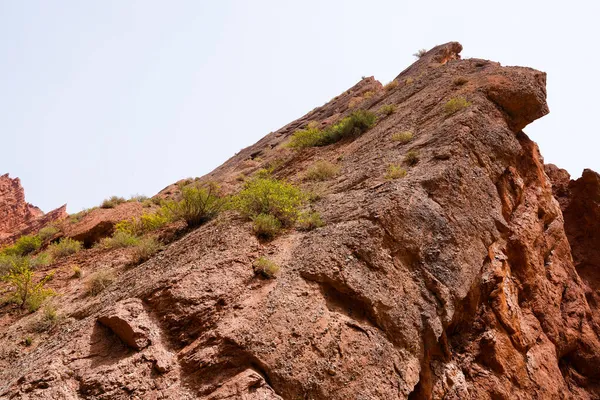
{"x":17,"y":217}
{"x":464,"y":279}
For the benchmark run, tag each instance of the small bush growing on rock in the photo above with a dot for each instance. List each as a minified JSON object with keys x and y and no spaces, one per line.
{"x":145,"y":223}
{"x":269,"y":196}
{"x":199,"y":204}
{"x":23,"y":246}
{"x":65,"y":247}
{"x":402,"y":137}
{"x":266,"y":226}
{"x":420,"y":53}
{"x":140,"y":198}
{"x":75,"y":218}
{"x":409,"y":81}
{"x":112,"y":202}
{"x":99,"y":281}
{"x":7,"y":261}
{"x":309,"y":221}
{"x":144,"y":249}
{"x":387,"y":109}
{"x":411,"y":158}
{"x":353,"y":125}
{"x":25,"y":292}
{"x":48,"y":320}
{"x":28,"y":341}
{"x":322,"y":171}
{"x":310,"y":136}
{"x":77,"y":271}
{"x":391,"y":85}
{"x":119,"y":240}
{"x":265,"y":267}
{"x":48,"y":232}
{"x":455,"y":104}
{"x":41,"y":260}
{"x":394,"y":172}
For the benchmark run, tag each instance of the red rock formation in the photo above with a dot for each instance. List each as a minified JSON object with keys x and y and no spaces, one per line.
{"x":17,"y":217}
{"x":456,"y":281}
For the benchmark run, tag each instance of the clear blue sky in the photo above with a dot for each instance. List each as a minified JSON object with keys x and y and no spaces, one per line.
{"x":101,"y":98}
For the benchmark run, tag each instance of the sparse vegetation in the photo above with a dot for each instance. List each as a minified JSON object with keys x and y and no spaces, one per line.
{"x":355,"y":124}
{"x":395,"y":171}
{"x":7,"y":261}
{"x":309,"y":220}
{"x":391,"y":85}
{"x":77,"y":271}
{"x":119,"y":240}
{"x":28,"y":341}
{"x":24,"y":245}
{"x":265,"y":267}
{"x":112,"y":202}
{"x":48,"y":320}
{"x":420,"y":53}
{"x":145,"y":248}
{"x":402,"y":137}
{"x":455,"y":104}
{"x":48,"y":232}
{"x":199,"y":203}
{"x":99,"y":281}
{"x":411,"y":158}
{"x":321,"y":171}
{"x":41,"y":260}
{"x":65,"y":247}
{"x":24,"y":291}
{"x":368,"y":94}
{"x":266,"y":226}
{"x":409,"y":81}
{"x":388,"y":109}
{"x":140,"y":198}
{"x":145,"y":223}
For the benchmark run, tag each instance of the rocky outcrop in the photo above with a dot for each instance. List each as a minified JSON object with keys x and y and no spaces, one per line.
{"x":462,"y":279}
{"x":17,"y":217}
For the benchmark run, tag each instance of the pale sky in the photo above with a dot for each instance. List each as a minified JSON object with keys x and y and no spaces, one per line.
{"x":101,"y":98}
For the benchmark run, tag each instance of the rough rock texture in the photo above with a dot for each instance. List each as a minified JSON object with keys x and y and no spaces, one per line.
{"x":17,"y":217}
{"x":456,"y":281}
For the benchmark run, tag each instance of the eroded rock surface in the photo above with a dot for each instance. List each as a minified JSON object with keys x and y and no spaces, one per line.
{"x":464,"y":279}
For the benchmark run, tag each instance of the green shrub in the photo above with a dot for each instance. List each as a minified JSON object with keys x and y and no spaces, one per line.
{"x":140,"y":198}
{"x":7,"y":261}
{"x":112,"y":202}
{"x":28,"y":341}
{"x":455,"y":104}
{"x":270,"y":196}
{"x":48,"y":320}
{"x":65,"y":247}
{"x":48,"y":232}
{"x":321,"y":171}
{"x":411,"y":158}
{"x":145,"y":248}
{"x":391,"y":85}
{"x":394,"y":172}
{"x":265,"y":267}
{"x":41,"y":260}
{"x":23,"y":246}
{"x":402,"y":137}
{"x":145,"y":223}
{"x":309,"y":221}
{"x":387,"y":109}
{"x":310,"y":136}
{"x":25,"y":292}
{"x":420,"y":53}
{"x":119,"y":240}
{"x":199,"y":204}
{"x":353,"y":125}
{"x":77,"y":271}
{"x":99,"y":281}
{"x":266,"y":226}
{"x":74,"y":218}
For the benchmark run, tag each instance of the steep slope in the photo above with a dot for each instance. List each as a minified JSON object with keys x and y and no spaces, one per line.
{"x":455,"y":281}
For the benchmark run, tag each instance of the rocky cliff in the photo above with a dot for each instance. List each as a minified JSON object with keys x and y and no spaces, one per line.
{"x":472,"y":275}
{"x":17,"y":217}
